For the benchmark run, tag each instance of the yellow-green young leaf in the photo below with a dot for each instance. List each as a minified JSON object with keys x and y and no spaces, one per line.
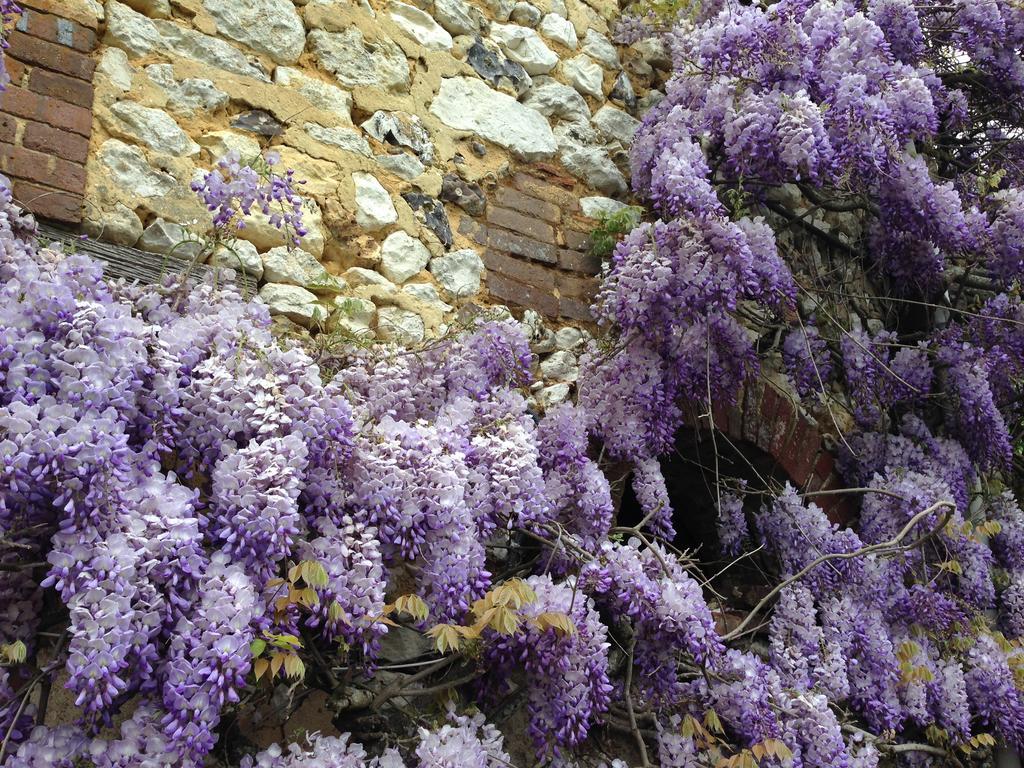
{"x":285,"y":641}
{"x":314,"y":574}
{"x":295,"y":573}
{"x":275,"y":582}
{"x":952,"y":566}
{"x":15,"y":652}
{"x":276,"y":661}
{"x":257,"y":647}
{"x":777,"y":748}
{"x":336,"y":613}
{"x":712,"y":722}
{"x":260,"y":668}
{"x":294,"y":667}
{"x":446,"y":637}
{"x":689,"y":727}
{"x":412,"y":605}
{"x":504,"y":621}
{"x":759,"y":751}
{"x":559,"y":622}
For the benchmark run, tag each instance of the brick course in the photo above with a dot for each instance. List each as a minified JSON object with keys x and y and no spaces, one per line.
{"x":535,"y":244}
{"x":46,"y":112}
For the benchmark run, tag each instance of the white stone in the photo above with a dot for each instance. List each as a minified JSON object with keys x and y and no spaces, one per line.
{"x":560,"y":366}
{"x":238,"y":255}
{"x":420,"y":26}
{"x":427,"y":295}
{"x":169,"y":238}
{"x":402,"y":257}
{"x":140,"y":36}
{"x":525,"y":14}
{"x":127,"y":167}
{"x":559,"y":29}
{"x":600,"y":49}
{"x":555,"y":99}
{"x":616,"y":124}
{"x":525,"y":47}
{"x":321,"y":95}
{"x":599,"y":207}
{"x":594,"y":166}
{"x":352,"y":316}
{"x":186,"y":96}
{"x":374,"y":209}
{"x":293,"y":302}
{"x":347,"y":139}
{"x":190,"y":44}
{"x":404,"y":166}
{"x":467,"y":104}
{"x":399,"y":325}
{"x":549,"y":397}
{"x":584,"y":75}
{"x":219,"y":143}
{"x":114,"y":67}
{"x":293,"y":266}
{"x":360,"y":276}
{"x":152,"y":127}
{"x":458,"y":272}
{"x":456,"y":17}
{"x":653,"y":51}
{"x":154,"y":9}
{"x":131,"y":31}
{"x":119,"y":226}
{"x":272,"y":27}
{"x":500,"y":9}
{"x":260,"y":232}
{"x":356,"y":62}
{"x":568,"y":338}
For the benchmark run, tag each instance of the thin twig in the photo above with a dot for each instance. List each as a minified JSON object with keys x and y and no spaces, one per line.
{"x":892,"y":544}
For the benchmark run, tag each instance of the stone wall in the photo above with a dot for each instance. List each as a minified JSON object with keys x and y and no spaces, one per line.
{"x":452,"y":149}
{"x":46,"y":120}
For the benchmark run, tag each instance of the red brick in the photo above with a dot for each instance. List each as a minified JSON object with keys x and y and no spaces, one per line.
{"x":736,"y":416}
{"x":48,"y":203}
{"x":752,"y":411}
{"x":473,"y":230}
{"x":526,"y":247}
{"x":517,"y":222}
{"x":8,"y":128}
{"x":61,"y":8}
{"x":838,"y":510}
{"x":38,"y":167}
{"x":577,"y":241}
{"x":825,"y":464}
{"x":766,"y":418}
{"x":542,"y":190}
{"x":48,"y":110}
{"x":797,"y":457}
{"x":69,"y":89}
{"x":58,"y":58}
{"x":65,"y":145}
{"x":720,"y":414}
{"x":523,"y":271}
{"x":524,"y":295}
{"x":579,"y":262}
{"x":511,"y":198}
{"x":575,"y":309}
{"x":785,"y":425}
{"x":57,"y":29}
{"x":577,"y":287}
{"x":17,"y":71}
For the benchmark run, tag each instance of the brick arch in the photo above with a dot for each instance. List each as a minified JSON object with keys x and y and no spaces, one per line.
{"x":768,"y":415}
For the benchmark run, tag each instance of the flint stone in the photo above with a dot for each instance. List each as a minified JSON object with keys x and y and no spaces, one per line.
{"x":430,"y":212}
{"x":152,"y":127}
{"x":525,"y":46}
{"x":374,"y":209}
{"x":467,"y":104}
{"x":297,"y":267}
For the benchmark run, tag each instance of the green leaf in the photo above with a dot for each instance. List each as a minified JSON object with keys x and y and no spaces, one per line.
{"x":258,"y":646}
